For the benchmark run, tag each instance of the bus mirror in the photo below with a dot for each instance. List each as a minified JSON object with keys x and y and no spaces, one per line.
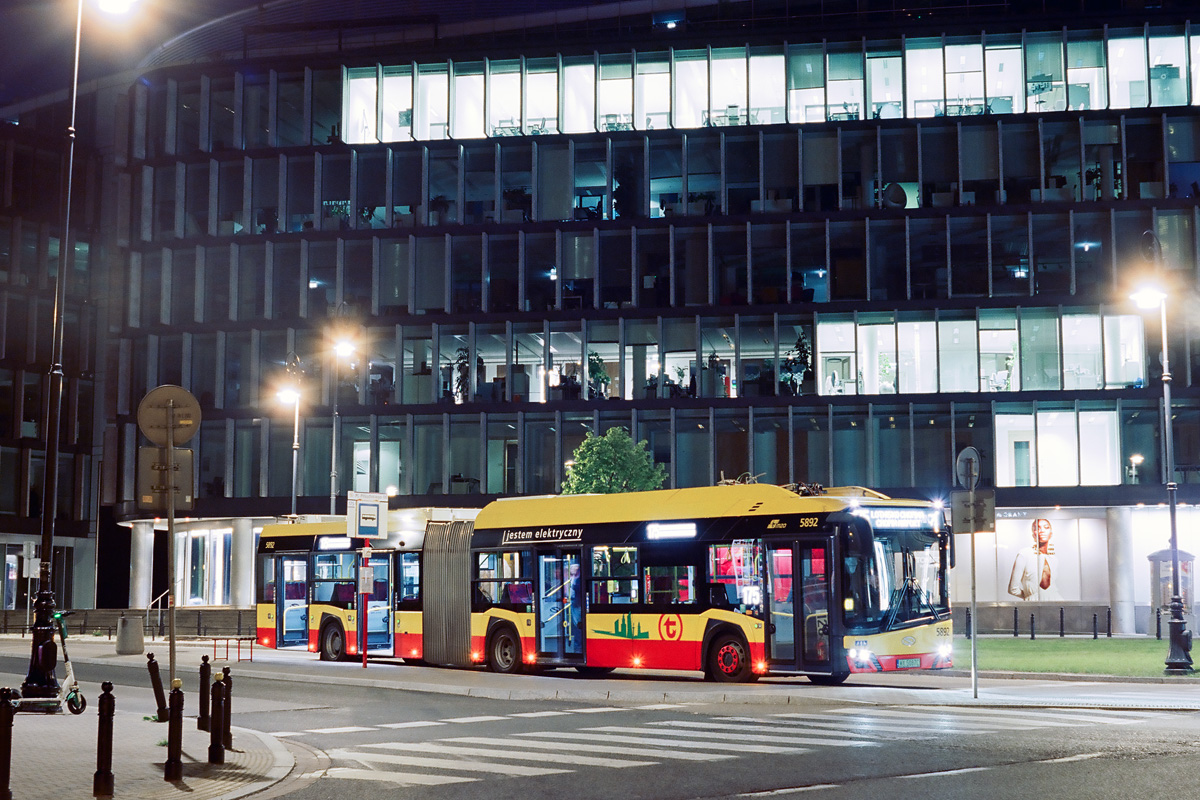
{"x":950,"y":547}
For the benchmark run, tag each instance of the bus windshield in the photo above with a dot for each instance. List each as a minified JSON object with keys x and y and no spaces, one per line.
{"x":903,"y":581}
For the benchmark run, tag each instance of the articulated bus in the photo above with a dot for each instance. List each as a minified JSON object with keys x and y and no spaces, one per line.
{"x":736,"y":581}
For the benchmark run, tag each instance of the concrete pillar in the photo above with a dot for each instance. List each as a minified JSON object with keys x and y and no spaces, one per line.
{"x":1121,"y":568}
{"x":241,"y":564}
{"x":141,"y":564}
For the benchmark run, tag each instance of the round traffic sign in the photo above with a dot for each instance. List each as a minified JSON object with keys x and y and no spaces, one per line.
{"x":966,"y":468}
{"x":153,"y":416}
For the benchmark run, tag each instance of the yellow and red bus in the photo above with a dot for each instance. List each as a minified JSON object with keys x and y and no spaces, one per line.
{"x":735,"y":581}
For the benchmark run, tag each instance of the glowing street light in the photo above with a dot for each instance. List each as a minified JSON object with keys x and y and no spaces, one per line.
{"x":290,"y":395}
{"x":343,"y":349}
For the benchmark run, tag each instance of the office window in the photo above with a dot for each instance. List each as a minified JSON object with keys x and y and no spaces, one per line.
{"x":468,"y":100}
{"x":397,"y":104}
{"x":614,"y":96}
{"x":925,"y":78}
{"x":806,"y":83}
{"x":1039,"y":349}
{"x":837,"y":370}
{"x":917,"y":370}
{"x":1127,"y":74}
{"x":964,"y":79}
{"x":845,"y":98}
{"x":432,"y":114}
{"x":728,"y":89}
{"x":358,"y":120}
{"x":877,"y":353}
{"x":1082,"y":352}
{"x":958,"y":355}
{"x":652,"y":94}
{"x":1124,"y":351}
{"x":1015,"y":453}
{"x":691,"y":88}
{"x":579,"y":95}
{"x":504,"y":98}
{"x":1044,"y":72}
{"x":885,"y":82}
{"x":998,"y":362}
{"x":1099,"y":447}
{"x":1087,"y":86}
{"x":541,"y":95}
{"x":1057,"y":448}
{"x":767,"y":87}
{"x":1003,"y":77}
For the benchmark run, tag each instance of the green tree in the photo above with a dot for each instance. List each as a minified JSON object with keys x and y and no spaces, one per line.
{"x":613,"y":463}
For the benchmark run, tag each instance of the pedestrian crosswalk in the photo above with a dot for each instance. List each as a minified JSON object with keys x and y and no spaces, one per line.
{"x":455,"y":759}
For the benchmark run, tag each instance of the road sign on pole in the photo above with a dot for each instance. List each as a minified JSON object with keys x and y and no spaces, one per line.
{"x":979,"y":515}
{"x":966,"y":468}
{"x":366,"y":515}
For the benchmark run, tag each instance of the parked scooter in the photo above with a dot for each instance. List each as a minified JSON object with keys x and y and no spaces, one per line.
{"x":68,"y":691}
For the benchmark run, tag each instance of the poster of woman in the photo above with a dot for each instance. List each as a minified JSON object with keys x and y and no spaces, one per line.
{"x":1034,"y":568}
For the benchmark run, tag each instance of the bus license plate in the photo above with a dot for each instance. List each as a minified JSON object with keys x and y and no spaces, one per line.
{"x":907,"y":663}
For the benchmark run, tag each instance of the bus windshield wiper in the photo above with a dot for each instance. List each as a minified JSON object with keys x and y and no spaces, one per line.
{"x":909,"y":587}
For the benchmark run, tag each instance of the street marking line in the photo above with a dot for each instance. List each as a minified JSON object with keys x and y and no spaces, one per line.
{"x":400,"y":778}
{"x":838,"y":724}
{"x":416,"y":724}
{"x":1068,"y":759}
{"x":939,"y":774}
{"x":642,"y":752}
{"x":600,"y":710}
{"x":284,"y":734}
{"x":557,"y":758}
{"x":474,"y":719}
{"x":535,"y":714}
{"x":657,"y":707}
{"x":723,"y":735}
{"x":792,"y":790}
{"x":669,"y":741}
{"x":782,"y":734}
{"x":451,"y":764}
{"x":347,"y":729}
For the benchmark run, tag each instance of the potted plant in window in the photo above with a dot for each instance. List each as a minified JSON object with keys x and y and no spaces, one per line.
{"x":597,"y":378}
{"x":794,"y":364}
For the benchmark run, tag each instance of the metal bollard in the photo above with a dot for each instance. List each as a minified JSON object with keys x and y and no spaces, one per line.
{"x":1095,"y":626}
{"x":216,"y":752}
{"x":1015,"y":623}
{"x":173,"y":768}
{"x":1158,"y":624}
{"x":205,"y":680}
{"x":156,"y":683}
{"x":227,"y":733}
{"x":1108,"y":622}
{"x":102,"y":781}
{"x":1032,"y":626}
{"x":968,"y":626}
{"x":1062,"y":628}
{"x":6,"y":731}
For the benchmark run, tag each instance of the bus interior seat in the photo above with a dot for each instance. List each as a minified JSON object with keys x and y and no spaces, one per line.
{"x":520,"y":593}
{"x":294,"y":591}
{"x":343,"y":593}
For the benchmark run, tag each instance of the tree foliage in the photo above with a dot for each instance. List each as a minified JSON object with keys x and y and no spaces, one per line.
{"x":613,"y":463}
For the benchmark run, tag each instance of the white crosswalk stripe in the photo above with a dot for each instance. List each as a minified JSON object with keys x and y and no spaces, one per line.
{"x":648,"y":738}
{"x":770,"y":733}
{"x":451,"y":764}
{"x":488,"y":752}
{"x":398,"y":778}
{"x":598,"y":747}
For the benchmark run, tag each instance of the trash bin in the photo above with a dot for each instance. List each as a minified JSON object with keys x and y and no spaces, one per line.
{"x":130,"y":641}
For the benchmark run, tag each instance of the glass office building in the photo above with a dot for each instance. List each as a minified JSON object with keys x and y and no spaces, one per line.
{"x":541,"y":225}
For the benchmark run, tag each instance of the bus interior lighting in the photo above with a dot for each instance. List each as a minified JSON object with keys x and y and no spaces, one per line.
{"x":671,"y":530}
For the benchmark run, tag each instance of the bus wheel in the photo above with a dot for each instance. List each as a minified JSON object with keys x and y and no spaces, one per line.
{"x":829,"y":680}
{"x":333,"y":642}
{"x":729,"y":660}
{"x":504,"y":652}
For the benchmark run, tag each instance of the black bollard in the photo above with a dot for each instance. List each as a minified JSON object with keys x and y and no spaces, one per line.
{"x":1032,"y":627}
{"x":1062,"y":628}
{"x":173,"y":768}
{"x":102,"y":781}
{"x":227,"y":733}
{"x":216,"y":725}
{"x":6,"y":731}
{"x":156,"y":684}
{"x":1015,"y":623}
{"x":1095,"y":627}
{"x":205,"y":680}
{"x":968,"y":623}
{"x":1108,"y":622}
{"x":1158,"y":624}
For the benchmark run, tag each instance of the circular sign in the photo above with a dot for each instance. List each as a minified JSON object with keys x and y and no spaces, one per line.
{"x":670,"y":627}
{"x":966,"y":468}
{"x":169,"y":404}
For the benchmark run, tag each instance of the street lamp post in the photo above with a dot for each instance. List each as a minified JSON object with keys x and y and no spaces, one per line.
{"x":40,"y":680}
{"x":1179,"y":660}
{"x":343,"y":349}
{"x":291,"y":395}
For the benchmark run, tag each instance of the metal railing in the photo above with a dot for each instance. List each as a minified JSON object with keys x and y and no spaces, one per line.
{"x":160,"y":602}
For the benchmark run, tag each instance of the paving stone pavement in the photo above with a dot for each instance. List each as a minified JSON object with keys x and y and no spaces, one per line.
{"x":54,"y":756}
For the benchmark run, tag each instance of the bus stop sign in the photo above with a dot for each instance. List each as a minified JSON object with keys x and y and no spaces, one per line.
{"x":366,"y":515}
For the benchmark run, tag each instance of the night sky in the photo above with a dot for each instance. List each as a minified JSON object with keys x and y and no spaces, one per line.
{"x":37,"y":39}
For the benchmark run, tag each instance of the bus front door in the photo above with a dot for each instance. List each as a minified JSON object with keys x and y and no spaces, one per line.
{"x":291,"y":603}
{"x":380,"y":629}
{"x":560,"y":604}
{"x":798,"y":605}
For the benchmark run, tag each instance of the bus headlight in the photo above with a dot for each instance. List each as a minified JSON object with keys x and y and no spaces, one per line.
{"x":945,"y":650}
{"x":862,"y":656}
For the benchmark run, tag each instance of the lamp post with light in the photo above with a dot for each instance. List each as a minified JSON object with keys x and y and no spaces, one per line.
{"x":40,"y":682}
{"x":290,"y":395}
{"x":1179,"y":660}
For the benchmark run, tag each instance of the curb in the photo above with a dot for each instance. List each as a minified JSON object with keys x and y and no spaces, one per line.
{"x":284,"y":763}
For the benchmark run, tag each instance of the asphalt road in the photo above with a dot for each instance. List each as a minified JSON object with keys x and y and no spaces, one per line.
{"x":365,"y":743}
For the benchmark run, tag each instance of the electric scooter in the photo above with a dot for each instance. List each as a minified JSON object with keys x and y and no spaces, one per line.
{"x":68,"y":691}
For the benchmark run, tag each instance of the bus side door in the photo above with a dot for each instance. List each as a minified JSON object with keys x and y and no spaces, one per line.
{"x":560,"y":604}
{"x":798,"y":604}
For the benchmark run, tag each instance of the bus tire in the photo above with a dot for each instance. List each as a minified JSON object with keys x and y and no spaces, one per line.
{"x":729,"y":660}
{"x":504,"y":651}
{"x":333,"y":642}
{"x":829,"y":680}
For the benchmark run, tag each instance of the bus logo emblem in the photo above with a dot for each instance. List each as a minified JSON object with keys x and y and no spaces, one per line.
{"x":670,"y":627}
{"x":908,"y":641}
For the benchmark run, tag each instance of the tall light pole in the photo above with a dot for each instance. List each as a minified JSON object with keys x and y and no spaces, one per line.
{"x":40,"y":680}
{"x":290,"y":395}
{"x":344,"y":348}
{"x":1179,"y":660}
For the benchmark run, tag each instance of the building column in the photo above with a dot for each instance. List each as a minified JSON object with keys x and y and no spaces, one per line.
{"x":1120,"y":568}
{"x":241,"y":564}
{"x":141,"y":564}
